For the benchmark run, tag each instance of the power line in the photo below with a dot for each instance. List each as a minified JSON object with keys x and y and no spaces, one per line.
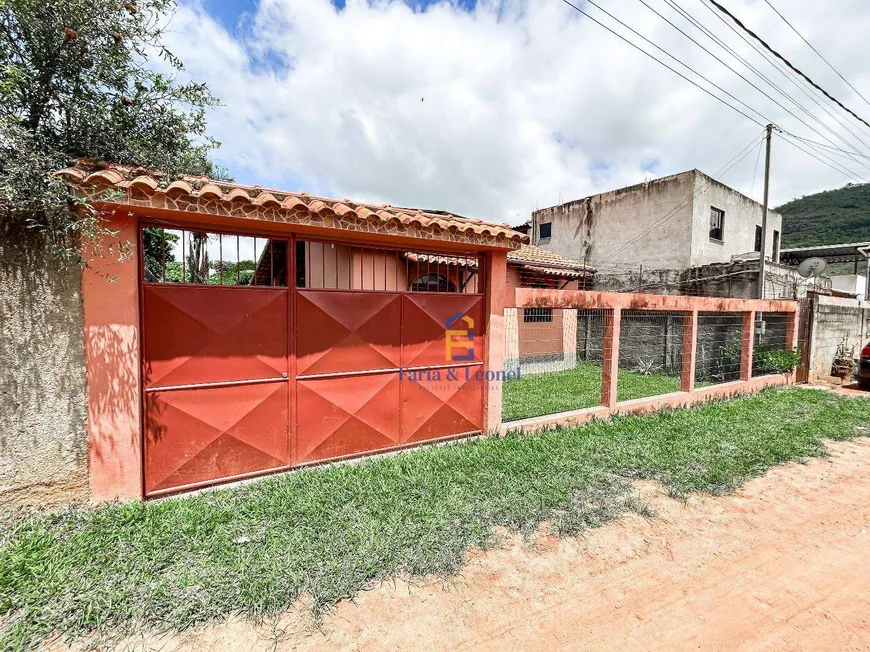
{"x":835,"y":149}
{"x":742,"y":154}
{"x":676,"y":72}
{"x":755,"y":170}
{"x":698,"y":25}
{"x":832,"y":164}
{"x":764,"y":55}
{"x":786,"y":61}
{"x":830,"y":65}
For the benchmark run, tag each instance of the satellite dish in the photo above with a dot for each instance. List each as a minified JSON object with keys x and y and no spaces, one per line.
{"x":812,"y":267}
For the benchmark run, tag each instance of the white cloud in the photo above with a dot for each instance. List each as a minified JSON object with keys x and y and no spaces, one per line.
{"x":493,"y":112}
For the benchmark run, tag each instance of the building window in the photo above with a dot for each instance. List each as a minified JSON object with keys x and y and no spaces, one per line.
{"x":433,"y":283}
{"x":717,"y":224}
{"x":757,"y":238}
{"x":776,"y":246}
{"x":545,"y":231}
{"x":537,"y":315}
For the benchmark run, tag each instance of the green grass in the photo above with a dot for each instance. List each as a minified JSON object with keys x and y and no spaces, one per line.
{"x":329,"y":532}
{"x":575,"y":389}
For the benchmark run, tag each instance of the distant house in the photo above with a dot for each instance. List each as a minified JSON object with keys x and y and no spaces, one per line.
{"x":675,"y":222}
{"x":664,"y":235}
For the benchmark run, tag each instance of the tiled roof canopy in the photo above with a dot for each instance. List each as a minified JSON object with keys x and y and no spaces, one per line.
{"x":147,"y":188}
{"x":528,"y":257}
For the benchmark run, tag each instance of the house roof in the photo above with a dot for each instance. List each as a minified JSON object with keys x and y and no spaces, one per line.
{"x":837,"y":253}
{"x":151,"y":189}
{"x":528,"y":257}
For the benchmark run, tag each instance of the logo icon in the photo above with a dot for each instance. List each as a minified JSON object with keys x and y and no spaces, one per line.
{"x":459,"y":341}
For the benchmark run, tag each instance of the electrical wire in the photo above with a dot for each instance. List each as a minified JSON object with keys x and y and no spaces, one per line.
{"x":676,"y":72}
{"x":755,"y":170}
{"x":772,"y":99}
{"x":832,"y":164}
{"x":686,"y":15}
{"x":670,"y":214}
{"x":830,"y":65}
{"x":764,"y":55}
{"x":786,"y":61}
{"x":814,"y":142}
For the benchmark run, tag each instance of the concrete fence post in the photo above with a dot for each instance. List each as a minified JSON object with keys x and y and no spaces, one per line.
{"x":791,"y":338}
{"x":569,"y":338}
{"x":746,"y":344}
{"x":690,"y":348}
{"x":610,"y":357}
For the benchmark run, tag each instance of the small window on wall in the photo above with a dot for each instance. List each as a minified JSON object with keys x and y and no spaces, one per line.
{"x":757,"y":238}
{"x":537,"y":315}
{"x":717,"y":224}
{"x":776,"y":246}
{"x":433,"y":283}
{"x":545,"y":230}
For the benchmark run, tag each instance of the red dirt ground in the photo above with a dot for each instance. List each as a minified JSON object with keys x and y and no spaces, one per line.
{"x":784,"y":563}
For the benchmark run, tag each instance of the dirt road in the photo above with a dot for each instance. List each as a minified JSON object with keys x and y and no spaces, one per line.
{"x":782,"y":564}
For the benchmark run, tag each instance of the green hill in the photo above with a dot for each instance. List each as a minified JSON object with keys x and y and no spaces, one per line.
{"x":828,"y":217}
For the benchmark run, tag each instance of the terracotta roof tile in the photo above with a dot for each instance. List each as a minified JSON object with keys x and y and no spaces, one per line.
{"x":527,"y":256}
{"x":148,"y":183}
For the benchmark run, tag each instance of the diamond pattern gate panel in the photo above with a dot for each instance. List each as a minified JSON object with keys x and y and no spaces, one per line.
{"x":373,"y":370}
{"x":216,"y":383}
{"x":442,"y":353}
{"x":348,"y":355}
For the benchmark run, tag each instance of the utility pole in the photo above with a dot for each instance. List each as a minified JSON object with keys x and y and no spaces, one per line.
{"x":761,"y":260}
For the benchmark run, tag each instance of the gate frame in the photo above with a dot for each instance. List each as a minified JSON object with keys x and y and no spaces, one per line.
{"x":117,"y":455}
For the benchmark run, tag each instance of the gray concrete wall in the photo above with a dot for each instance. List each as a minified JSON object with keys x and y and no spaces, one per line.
{"x":595,"y":228}
{"x":732,"y":280}
{"x":835,"y":321}
{"x":742,"y":214}
{"x":669,"y":218}
{"x":43,"y":442}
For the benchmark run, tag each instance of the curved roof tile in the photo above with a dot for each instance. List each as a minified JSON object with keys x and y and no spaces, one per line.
{"x":85,"y":173}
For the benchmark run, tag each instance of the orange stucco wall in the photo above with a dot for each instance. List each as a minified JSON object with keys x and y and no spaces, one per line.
{"x":110,"y":291}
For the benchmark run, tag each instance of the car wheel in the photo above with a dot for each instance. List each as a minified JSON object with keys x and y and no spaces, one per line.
{"x":864,"y":383}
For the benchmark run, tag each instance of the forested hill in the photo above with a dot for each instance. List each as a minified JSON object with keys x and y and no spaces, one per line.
{"x":828,"y":217}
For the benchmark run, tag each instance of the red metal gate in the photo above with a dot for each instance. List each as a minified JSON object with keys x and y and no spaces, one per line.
{"x":216,"y":384}
{"x":359,"y":369}
{"x":372,"y":371}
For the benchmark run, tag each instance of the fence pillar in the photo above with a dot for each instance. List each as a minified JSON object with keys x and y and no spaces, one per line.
{"x":496,"y":272}
{"x":690,"y":337}
{"x":610,"y":357}
{"x":746,"y":344}
{"x":569,"y":338}
{"x":791,"y":338}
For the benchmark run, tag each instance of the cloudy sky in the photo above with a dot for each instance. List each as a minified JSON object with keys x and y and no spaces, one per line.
{"x":491,"y":109}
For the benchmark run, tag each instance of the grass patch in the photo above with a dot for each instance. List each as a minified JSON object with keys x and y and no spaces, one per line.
{"x":328,"y":532}
{"x":575,"y":389}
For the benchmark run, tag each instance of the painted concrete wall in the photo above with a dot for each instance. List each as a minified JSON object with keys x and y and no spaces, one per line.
{"x":835,"y":321}
{"x":43,"y":443}
{"x":850,"y":284}
{"x":669,"y":218}
{"x":742,"y":214}
{"x":110,"y":287}
{"x":597,"y":227}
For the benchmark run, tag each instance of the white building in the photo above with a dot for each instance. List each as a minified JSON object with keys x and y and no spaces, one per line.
{"x":676,"y":222}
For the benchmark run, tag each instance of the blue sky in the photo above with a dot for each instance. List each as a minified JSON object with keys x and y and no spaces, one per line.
{"x":228,"y":12}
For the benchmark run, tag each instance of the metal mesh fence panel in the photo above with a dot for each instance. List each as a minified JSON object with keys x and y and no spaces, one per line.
{"x":555,"y":354}
{"x":650,"y":354}
{"x":718,"y":348}
{"x":771,"y":330}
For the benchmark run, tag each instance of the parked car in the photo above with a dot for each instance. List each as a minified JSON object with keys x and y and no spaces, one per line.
{"x":864,"y":368}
